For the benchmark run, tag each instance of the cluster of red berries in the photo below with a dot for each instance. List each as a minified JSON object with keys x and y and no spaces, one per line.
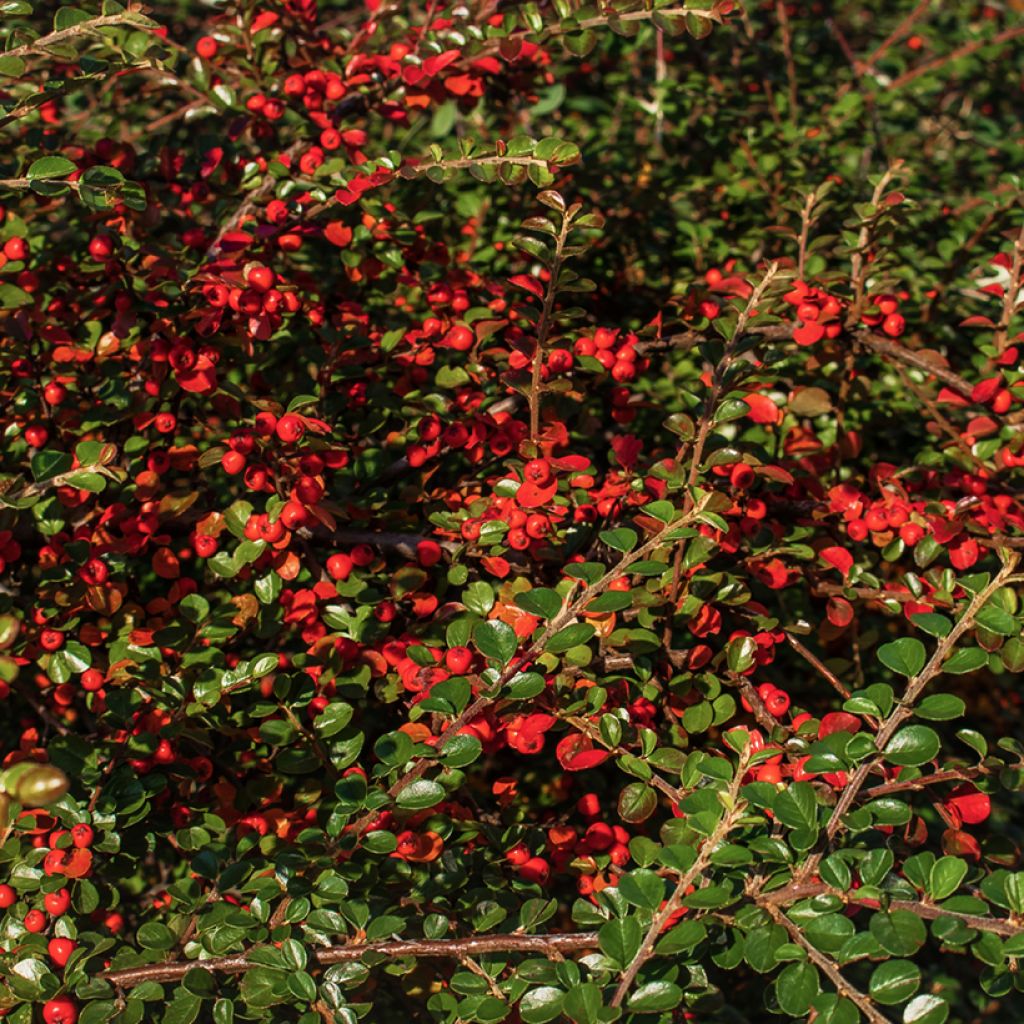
{"x":589,"y":850}
{"x":617,"y":354}
{"x":898,"y":514}
{"x":817,"y":311}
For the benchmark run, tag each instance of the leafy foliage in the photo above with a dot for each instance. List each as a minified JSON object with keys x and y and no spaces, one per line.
{"x":511,"y":512}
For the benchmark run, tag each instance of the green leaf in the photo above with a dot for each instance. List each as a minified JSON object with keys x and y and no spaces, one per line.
{"x":967,"y":659}
{"x":524,"y":685}
{"x":654,"y":997}
{"x":637,"y":802}
{"x":940,"y":707}
{"x":50,"y":167}
{"x":419,"y":795}
{"x":541,"y":601}
{"x":541,"y":1005}
{"x":797,"y":806}
{"x":926,"y":1009}
{"x":945,"y":877}
{"x":496,"y":640}
{"x":932,"y":623}
{"x":48,"y":464}
{"x":905,"y":657}
{"x":623,"y":539}
{"x":642,"y":888}
{"x":900,"y":932}
{"x":912,"y":746}
{"x":153,"y":935}
{"x":894,"y":982}
{"x":997,"y":620}
{"x":796,"y":988}
{"x":620,"y":940}
{"x":582,"y":1004}
{"x":571,"y":636}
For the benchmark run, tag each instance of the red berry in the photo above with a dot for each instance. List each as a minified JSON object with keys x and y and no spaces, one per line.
{"x":458,"y":659}
{"x":290,"y":428}
{"x":460,"y":338}
{"x":35,"y":921}
{"x":536,"y":869}
{"x":57,"y":903}
{"x":260,"y":278}
{"x":777,"y":703}
{"x":60,"y":950}
{"x":82,"y":836}
{"x":8,"y":897}
{"x":339,"y":566}
{"x":62,"y":1010}
{"x":207,"y":47}
{"x":537,"y":472}
{"x":101,"y":247}
{"x":233,"y":462}
{"x":15,"y":249}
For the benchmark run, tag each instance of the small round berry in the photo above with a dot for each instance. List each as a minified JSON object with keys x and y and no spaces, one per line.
{"x":82,"y":836}
{"x":207,"y":47}
{"x":15,"y":249}
{"x":57,"y":903}
{"x":536,"y":869}
{"x":458,"y":659}
{"x":35,"y":921}
{"x":339,"y":566}
{"x":261,"y":278}
{"x":101,"y":247}
{"x":8,"y":897}
{"x":62,"y":1010}
{"x":60,"y":950}
{"x":290,"y":428}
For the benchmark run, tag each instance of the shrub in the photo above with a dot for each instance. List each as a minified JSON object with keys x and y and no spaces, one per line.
{"x":511,"y":512}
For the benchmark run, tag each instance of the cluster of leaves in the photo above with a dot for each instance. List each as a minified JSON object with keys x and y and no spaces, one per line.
{"x":511,"y":512}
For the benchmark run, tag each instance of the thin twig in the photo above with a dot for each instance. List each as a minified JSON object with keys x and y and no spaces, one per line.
{"x":455,"y":949}
{"x":915,"y":687}
{"x":733,"y":811}
{"x":828,"y":967}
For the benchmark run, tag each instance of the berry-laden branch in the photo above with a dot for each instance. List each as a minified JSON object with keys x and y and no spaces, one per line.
{"x":552,"y":945}
{"x":915,"y":687}
{"x":566,"y":615}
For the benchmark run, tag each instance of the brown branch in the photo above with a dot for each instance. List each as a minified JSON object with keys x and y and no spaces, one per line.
{"x":828,"y":967}
{"x":81,"y":29}
{"x":708,"y":411}
{"x":1011,"y":296}
{"x":915,"y":686}
{"x":733,"y":811}
{"x":961,"y":51}
{"x":902,"y":785}
{"x":544,"y":325}
{"x":794,"y":893}
{"x":858,"y":263}
{"x":456,"y":949}
{"x":249,"y":205}
{"x":897,"y":34}
{"x":787,"y":50}
{"x":815,"y":662}
{"x":664,"y":12}
{"x":878,"y":343}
